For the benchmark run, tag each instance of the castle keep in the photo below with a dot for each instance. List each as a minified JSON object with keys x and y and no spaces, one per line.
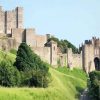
{"x":10,"y":19}
{"x":12,"y":33}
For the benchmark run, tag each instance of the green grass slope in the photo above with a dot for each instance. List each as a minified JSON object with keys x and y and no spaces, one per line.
{"x":78,"y":73}
{"x":65,"y":85}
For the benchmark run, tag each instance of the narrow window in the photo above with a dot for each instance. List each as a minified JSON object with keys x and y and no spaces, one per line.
{"x":54,"y":47}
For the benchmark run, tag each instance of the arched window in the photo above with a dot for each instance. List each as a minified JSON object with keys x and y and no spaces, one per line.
{"x":97,"y":63}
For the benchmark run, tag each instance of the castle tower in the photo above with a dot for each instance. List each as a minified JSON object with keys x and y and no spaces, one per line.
{"x":53,"y":53}
{"x":70,"y":58}
{"x":10,"y":19}
{"x":88,"y":56}
{"x":19,"y":17}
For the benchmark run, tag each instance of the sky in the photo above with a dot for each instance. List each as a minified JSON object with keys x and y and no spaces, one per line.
{"x":74,"y":20}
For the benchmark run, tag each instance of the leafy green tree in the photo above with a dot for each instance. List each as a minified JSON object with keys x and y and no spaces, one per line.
{"x":33,"y":70}
{"x":94,"y":85}
{"x":25,"y":58}
{"x":64,"y":45}
{"x":9,"y":75}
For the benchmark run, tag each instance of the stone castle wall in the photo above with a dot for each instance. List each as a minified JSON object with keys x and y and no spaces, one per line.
{"x":62,"y":60}
{"x":29,"y":36}
{"x":7,"y":44}
{"x":43,"y":52}
{"x":74,"y":60}
{"x":77,"y":61}
{"x":35,"y":40}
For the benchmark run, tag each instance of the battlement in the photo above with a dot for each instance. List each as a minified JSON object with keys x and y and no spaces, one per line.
{"x":94,"y":42}
{"x":88,"y":42}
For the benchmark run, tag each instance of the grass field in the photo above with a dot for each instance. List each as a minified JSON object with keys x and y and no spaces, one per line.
{"x":65,"y":85}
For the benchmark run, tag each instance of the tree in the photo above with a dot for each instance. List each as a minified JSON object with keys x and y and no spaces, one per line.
{"x":25,"y":58}
{"x":34,"y":70}
{"x":64,"y":45}
{"x":94,"y":85}
{"x":9,"y":75}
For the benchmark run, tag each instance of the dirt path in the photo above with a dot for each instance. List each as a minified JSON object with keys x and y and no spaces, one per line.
{"x":70,"y":76}
{"x":84,"y":95}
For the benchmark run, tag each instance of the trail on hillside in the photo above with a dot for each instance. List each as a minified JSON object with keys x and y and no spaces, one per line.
{"x":84,"y":95}
{"x":70,"y":76}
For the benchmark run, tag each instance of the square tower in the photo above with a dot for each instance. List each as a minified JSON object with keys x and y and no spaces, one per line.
{"x":19,"y":17}
{"x":10,"y":19}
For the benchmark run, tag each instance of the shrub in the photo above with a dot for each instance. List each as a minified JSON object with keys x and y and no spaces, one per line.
{"x":94,"y":85}
{"x":9,"y":75}
{"x":40,"y":77}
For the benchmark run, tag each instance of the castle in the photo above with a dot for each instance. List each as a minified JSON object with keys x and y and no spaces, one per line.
{"x":12,"y":34}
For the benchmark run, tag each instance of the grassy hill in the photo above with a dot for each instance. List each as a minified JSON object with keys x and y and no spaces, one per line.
{"x":65,"y":85}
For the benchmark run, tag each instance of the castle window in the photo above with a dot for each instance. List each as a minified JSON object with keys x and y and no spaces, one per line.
{"x":54,"y":47}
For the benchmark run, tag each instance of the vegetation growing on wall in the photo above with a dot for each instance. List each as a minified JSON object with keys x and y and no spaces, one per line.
{"x":64,"y":44}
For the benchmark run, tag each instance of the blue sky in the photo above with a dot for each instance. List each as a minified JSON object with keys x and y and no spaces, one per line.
{"x":74,"y":20}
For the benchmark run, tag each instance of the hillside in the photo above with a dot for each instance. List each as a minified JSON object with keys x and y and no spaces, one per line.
{"x":63,"y":87}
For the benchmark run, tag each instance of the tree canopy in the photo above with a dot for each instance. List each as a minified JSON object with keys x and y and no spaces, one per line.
{"x":64,"y":45}
{"x":35,"y":71}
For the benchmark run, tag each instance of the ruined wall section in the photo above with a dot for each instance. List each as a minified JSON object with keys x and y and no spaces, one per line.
{"x":88,"y":57}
